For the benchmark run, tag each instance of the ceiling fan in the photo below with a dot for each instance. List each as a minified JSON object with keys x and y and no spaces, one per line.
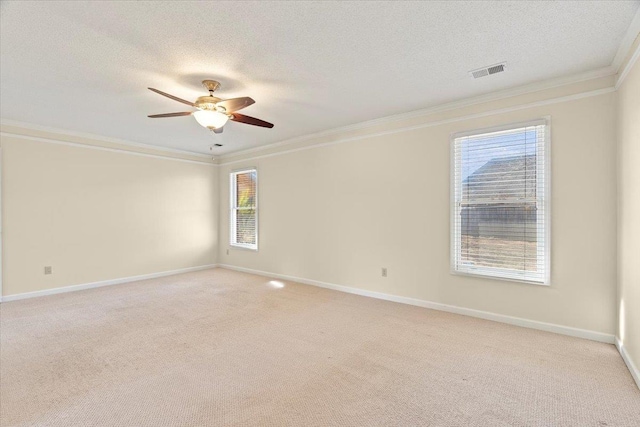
{"x":214,"y":112}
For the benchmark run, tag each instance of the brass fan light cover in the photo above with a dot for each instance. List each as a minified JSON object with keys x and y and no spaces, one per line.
{"x":207,"y":102}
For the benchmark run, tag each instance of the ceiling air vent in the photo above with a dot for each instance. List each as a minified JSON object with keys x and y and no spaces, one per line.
{"x":487,"y":71}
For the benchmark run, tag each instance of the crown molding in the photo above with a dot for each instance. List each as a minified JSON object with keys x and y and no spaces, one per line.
{"x":567,"y":98}
{"x":167,"y":152}
{"x":492,"y":96}
{"x":628,"y":66}
{"x":103,"y":148}
{"x":627,"y":42}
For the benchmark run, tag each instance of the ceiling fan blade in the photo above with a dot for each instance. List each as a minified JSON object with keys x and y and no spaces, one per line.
{"x":250,"y":120}
{"x":184,"y":113}
{"x":235,"y":104}
{"x":218,"y":130}
{"x":175,"y":98}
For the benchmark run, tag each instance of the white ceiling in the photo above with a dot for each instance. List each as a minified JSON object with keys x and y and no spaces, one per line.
{"x":85,"y":66}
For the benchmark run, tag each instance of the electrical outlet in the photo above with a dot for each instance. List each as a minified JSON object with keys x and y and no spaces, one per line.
{"x":47,"y":269}
{"x":384,"y":272}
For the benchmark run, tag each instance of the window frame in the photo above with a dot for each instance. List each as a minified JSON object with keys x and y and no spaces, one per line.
{"x":233,"y":209}
{"x":496,"y":272}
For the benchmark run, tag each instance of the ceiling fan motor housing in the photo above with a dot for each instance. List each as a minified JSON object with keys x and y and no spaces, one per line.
{"x":209,"y":103}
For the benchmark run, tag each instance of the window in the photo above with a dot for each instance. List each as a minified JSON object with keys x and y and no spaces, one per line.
{"x":500,"y":197}
{"x":244,"y":209}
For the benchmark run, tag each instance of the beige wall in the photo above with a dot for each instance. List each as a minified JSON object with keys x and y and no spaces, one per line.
{"x":96,"y":215}
{"x":629,"y":213}
{"x":338,"y":213}
{"x":335,"y":213}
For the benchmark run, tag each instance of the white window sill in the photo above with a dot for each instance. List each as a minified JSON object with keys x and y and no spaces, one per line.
{"x":497,"y":276}
{"x":253,"y":248}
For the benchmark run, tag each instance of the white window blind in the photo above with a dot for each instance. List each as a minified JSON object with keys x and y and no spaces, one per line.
{"x":244,"y":209}
{"x":500,"y":223}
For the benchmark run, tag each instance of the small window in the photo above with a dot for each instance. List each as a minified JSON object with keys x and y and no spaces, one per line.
{"x":244,"y":209}
{"x":500,"y":196}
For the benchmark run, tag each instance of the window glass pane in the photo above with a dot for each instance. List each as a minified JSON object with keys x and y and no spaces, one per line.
{"x":499,"y":236}
{"x":499,"y":168}
{"x":246,"y":226}
{"x":246,"y":189}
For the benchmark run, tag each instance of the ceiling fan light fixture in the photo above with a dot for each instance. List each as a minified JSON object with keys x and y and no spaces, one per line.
{"x":213,"y":112}
{"x":211,"y":119}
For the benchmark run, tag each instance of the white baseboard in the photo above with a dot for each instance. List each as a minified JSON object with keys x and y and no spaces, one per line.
{"x":635,"y":373}
{"x":102,"y":283}
{"x":527,"y":323}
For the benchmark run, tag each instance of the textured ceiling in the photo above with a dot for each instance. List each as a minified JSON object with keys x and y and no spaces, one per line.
{"x":310,"y":66}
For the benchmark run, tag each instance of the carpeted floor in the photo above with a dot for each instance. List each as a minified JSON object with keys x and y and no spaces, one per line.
{"x":218,"y":347}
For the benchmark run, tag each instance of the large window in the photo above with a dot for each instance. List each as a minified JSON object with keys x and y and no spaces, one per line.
{"x":500,"y":196}
{"x":244,"y":209}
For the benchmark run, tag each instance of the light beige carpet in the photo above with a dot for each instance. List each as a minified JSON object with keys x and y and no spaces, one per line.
{"x":218,"y":347}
